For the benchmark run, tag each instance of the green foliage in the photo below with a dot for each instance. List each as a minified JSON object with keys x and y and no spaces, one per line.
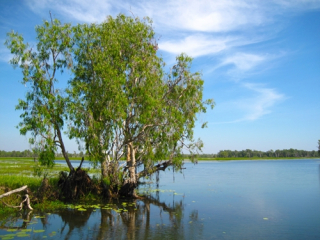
{"x":47,"y":156}
{"x":25,"y":153}
{"x":37,"y":171}
{"x":44,"y":106}
{"x":123,"y":103}
{"x":114,"y":180}
{"x":248,"y":153}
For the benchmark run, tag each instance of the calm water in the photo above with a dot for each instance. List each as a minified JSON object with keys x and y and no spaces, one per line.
{"x":210,"y":200}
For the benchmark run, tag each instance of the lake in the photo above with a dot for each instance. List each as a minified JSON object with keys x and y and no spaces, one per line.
{"x":267,"y":199}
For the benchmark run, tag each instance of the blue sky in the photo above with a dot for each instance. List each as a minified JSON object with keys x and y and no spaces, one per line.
{"x":260,"y":61}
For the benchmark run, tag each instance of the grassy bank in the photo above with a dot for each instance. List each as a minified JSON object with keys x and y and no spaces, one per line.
{"x":18,"y":172}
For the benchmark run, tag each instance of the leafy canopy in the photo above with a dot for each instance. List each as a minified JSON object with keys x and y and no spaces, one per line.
{"x":123,"y":102}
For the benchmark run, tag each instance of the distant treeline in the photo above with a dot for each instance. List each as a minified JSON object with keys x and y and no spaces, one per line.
{"x":28,"y":153}
{"x":248,"y":153}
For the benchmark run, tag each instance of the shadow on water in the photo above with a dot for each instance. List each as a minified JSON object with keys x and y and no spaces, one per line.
{"x":147,"y":218}
{"x":144,"y":219}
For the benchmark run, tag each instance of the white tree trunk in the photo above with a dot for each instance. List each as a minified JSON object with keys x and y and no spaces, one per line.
{"x":26,"y":199}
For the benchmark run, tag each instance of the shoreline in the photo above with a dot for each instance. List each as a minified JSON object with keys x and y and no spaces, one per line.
{"x":199,"y":159}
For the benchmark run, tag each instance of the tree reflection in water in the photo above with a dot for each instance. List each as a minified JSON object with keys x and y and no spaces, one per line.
{"x":147,"y":219}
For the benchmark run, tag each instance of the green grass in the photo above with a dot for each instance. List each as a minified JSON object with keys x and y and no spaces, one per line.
{"x":24,"y":167}
{"x":17,"y":181}
{"x":49,"y":205}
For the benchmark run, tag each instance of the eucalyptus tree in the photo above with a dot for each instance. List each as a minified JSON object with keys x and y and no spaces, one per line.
{"x":44,"y":106}
{"x":124,"y":105}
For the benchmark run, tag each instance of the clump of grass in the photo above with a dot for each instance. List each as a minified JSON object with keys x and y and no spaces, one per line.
{"x":49,"y":205}
{"x":17,"y":181}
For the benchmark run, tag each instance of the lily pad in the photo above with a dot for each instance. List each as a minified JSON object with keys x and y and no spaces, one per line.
{"x":23,"y":235}
{"x":38,"y":231}
{"x":7,"y":238}
{"x":8,"y":235}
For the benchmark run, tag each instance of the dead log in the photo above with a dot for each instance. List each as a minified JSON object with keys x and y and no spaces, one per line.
{"x":13,"y":191}
{"x":25,"y":201}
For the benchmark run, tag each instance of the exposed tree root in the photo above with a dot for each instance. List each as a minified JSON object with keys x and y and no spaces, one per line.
{"x":75,"y":185}
{"x":128,"y":190}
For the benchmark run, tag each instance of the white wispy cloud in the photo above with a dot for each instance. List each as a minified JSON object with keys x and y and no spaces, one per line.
{"x":181,"y":15}
{"x":196,"y":45}
{"x":191,"y":25}
{"x":243,"y":61}
{"x":240,"y":65}
{"x":261,"y":103}
{"x":202,"y":15}
{"x":79,"y":10}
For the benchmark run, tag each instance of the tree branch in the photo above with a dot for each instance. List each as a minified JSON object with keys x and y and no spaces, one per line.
{"x":14,"y":191}
{"x":158,"y":167}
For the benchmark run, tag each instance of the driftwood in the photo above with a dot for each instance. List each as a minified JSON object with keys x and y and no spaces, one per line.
{"x":26,"y":198}
{"x":14,"y":191}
